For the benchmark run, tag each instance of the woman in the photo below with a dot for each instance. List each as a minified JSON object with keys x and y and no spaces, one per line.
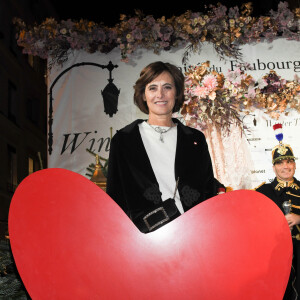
{"x":159,"y":168}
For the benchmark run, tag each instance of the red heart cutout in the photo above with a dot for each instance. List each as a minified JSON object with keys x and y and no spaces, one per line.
{"x":71,"y":241}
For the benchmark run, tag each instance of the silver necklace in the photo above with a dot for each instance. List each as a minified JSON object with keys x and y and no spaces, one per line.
{"x":161,"y":131}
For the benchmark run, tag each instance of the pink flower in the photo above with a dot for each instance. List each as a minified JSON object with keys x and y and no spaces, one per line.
{"x":210,"y":82}
{"x":251,"y":93}
{"x":201,"y":91}
{"x":234,"y":77}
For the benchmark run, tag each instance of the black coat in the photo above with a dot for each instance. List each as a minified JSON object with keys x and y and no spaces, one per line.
{"x":277,"y":192}
{"x":131,"y":181}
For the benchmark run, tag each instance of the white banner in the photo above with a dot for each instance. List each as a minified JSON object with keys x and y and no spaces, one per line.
{"x":80,"y":122}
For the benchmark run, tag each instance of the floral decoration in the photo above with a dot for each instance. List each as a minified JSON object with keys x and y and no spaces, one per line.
{"x":225,"y":28}
{"x":213,"y":98}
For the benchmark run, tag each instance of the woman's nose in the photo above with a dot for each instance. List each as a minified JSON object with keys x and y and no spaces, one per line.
{"x":159,"y":93}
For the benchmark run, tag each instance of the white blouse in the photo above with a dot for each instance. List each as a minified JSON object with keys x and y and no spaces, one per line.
{"x":162,"y":159}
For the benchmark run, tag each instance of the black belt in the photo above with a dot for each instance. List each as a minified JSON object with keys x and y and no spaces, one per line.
{"x":154,"y":219}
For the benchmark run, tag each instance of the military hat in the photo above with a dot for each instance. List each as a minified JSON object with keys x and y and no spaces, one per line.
{"x":281,"y":151}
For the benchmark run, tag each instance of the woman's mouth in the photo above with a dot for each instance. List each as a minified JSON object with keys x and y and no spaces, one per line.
{"x":161,"y":102}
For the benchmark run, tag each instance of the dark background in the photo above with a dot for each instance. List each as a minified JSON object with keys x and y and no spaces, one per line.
{"x":23,"y":90}
{"x":109,"y":13}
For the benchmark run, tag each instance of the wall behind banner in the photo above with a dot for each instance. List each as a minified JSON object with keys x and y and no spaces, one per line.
{"x":80,"y":123}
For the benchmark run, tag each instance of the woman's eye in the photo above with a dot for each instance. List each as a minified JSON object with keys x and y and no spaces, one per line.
{"x":151,"y":88}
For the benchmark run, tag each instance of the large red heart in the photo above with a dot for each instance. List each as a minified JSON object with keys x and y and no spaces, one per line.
{"x":71,"y":241}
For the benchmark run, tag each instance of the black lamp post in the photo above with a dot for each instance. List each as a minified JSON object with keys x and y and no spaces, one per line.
{"x":110,"y":96}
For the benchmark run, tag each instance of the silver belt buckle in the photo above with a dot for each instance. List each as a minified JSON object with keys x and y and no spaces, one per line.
{"x":158,"y":223}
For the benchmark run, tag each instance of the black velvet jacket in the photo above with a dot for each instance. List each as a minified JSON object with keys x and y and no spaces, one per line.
{"x":131,"y":181}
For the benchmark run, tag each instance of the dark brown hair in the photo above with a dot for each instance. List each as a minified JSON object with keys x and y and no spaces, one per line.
{"x":148,"y":74}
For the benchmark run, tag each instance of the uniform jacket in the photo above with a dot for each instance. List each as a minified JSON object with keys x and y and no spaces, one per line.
{"x":131,"y":181}
{"x":278,"y":192}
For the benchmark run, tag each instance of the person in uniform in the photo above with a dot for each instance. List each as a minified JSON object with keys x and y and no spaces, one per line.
{"x":284,"y":190}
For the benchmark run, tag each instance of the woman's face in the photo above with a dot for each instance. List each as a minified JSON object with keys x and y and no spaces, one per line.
{"x":160,"y":95}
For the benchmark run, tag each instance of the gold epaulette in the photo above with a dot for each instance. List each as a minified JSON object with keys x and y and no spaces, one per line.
{"x":259,"y":186}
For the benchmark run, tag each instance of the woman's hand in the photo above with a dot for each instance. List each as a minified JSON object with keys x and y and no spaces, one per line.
{"x":292,"y":220}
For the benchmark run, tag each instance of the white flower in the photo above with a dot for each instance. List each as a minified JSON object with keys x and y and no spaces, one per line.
{"x":262,"y":83}
{"x":63,"y":31}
